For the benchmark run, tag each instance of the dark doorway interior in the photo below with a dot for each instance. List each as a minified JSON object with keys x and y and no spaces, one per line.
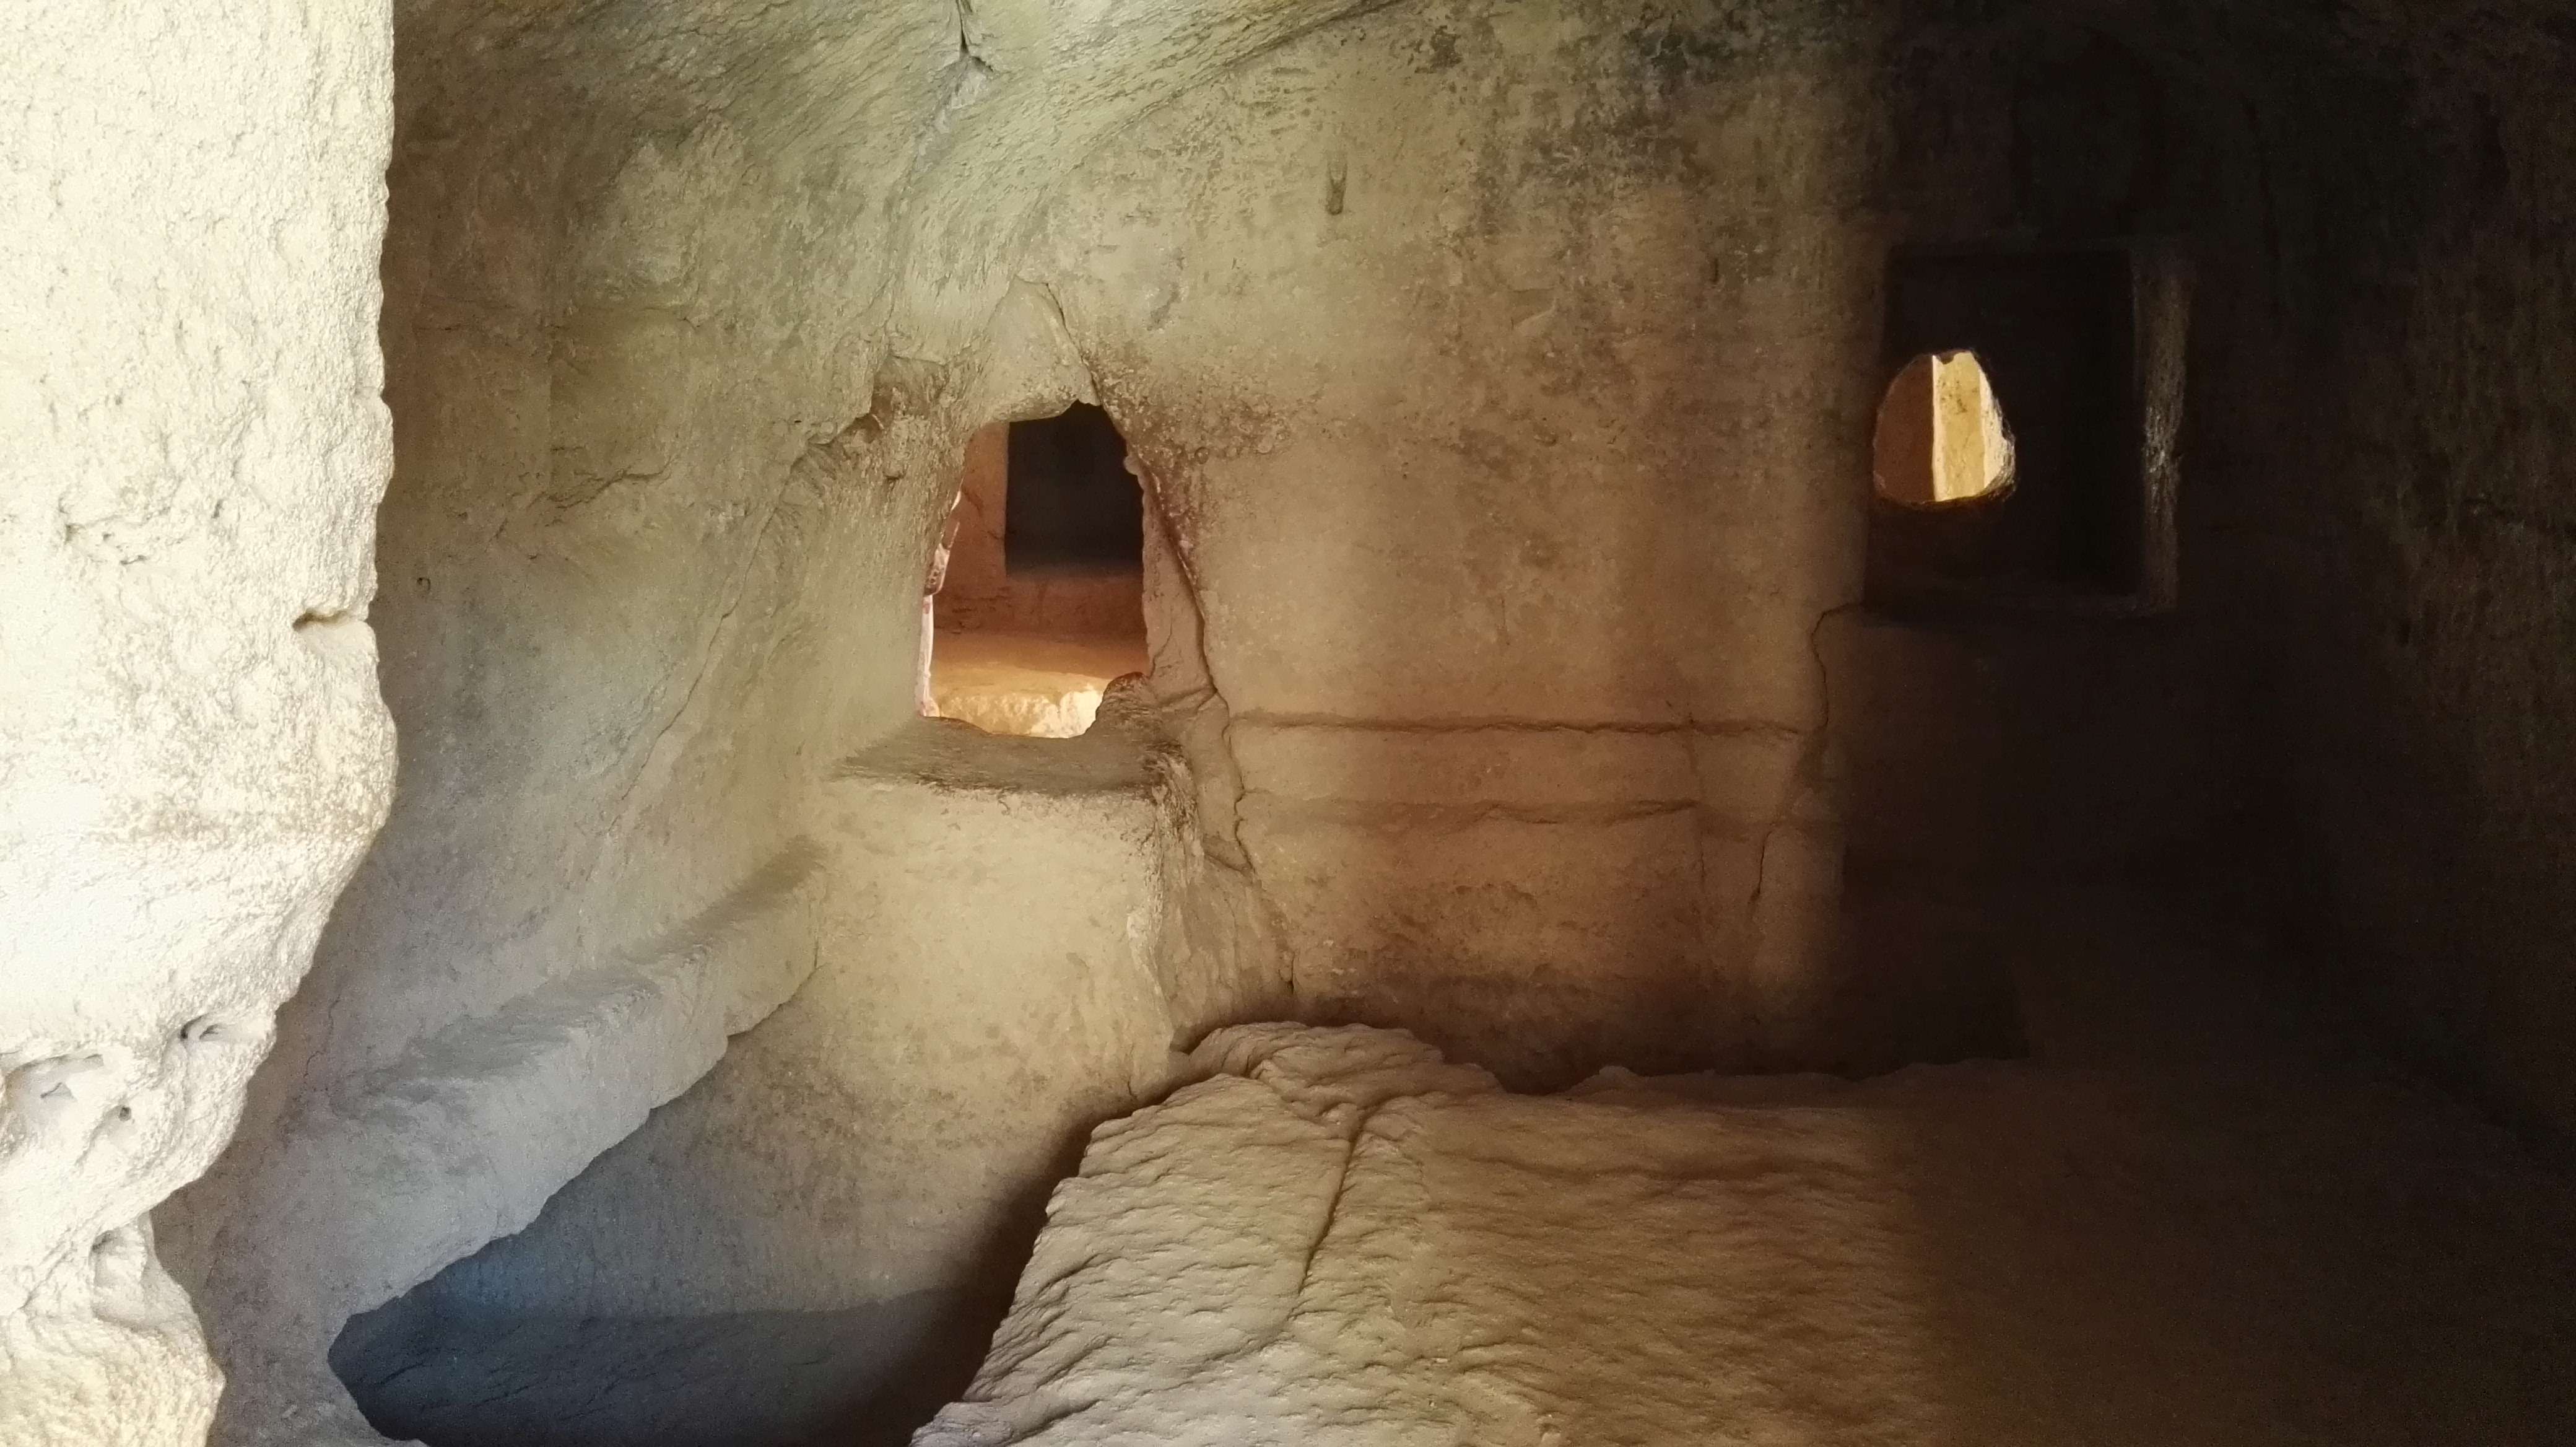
{"x":1073,"y":506}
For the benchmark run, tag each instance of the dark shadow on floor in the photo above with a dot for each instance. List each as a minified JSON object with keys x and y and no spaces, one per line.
{"x":2214,"y":1212}
{"x":862,"y":1377}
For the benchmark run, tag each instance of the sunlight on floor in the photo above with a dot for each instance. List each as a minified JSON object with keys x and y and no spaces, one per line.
{"x":1024,"y":683}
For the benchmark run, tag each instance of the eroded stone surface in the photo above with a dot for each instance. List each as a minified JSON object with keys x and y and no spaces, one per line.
{"x":1340,"y":1238}
{"x":689,"y":314}
{"x":465,"y":1136}
{"x":1508,"y":460}
{"x":192,"y":748}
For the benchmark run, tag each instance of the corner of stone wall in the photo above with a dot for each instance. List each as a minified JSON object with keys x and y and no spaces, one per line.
{"x":1221,"y":955}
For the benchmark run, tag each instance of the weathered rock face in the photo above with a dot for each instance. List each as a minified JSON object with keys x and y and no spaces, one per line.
{"x":1496,"y":813}
{"x":682,"y":353}
{"x":192,"y":749}
{"x":987,"y":992}
{"x":1505,"y":373}
{"x":2375,"y":540}
{"x":1502,"y":382}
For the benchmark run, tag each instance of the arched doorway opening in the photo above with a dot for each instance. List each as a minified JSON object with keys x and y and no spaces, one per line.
{"x":1035,"y":600}
{"x":1941,"y":435}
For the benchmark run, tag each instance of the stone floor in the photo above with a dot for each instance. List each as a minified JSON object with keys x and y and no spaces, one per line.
{"x":2196,"y":1216}
{"x":2201,"y":1212}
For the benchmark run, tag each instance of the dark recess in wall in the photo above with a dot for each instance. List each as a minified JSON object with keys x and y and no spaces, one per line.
{"x":1073,"y":504}
{"x":2072,"y":354}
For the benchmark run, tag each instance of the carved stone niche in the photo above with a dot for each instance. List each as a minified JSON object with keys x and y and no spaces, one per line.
{"x":2082,"y":345}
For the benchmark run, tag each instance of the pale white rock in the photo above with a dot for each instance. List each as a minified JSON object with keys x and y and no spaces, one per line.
{"x":1338,"y":1238}
{"x":193,"y":752}
{"x":468,"y":1133}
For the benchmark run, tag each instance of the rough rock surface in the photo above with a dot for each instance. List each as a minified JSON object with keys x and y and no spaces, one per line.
{"x":1506,"y":456}
{"x":193,"y":752}
{"x":465,"y":1136}
{"x":985,"y":919}
{"x":689,"y":311}
{"x":1340,"y":1238}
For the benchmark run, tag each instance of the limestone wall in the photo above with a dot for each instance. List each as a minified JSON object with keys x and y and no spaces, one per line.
{"x":1495,"y":547}
{"x":685,"y":331}
{"x":1504,"y":373}
{"x":193,"y":752}
{"x":610,"y":476}
{"x":1502,"y":482}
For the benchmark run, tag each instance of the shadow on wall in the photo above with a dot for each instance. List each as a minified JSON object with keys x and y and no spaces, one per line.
{"x":979,"y":1004}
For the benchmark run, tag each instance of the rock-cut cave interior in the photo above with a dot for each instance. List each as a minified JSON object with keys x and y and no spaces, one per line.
{"x":787,"y":723}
